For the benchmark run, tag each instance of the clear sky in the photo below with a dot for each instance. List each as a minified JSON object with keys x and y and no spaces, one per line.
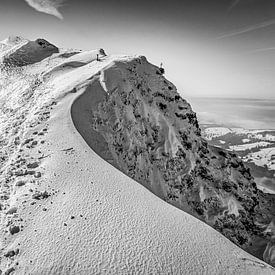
{"x":221,"y":48}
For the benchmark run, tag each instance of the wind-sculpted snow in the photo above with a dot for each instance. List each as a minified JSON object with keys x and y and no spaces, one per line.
{"x":30,"y":53}
{"x":64,"y":210}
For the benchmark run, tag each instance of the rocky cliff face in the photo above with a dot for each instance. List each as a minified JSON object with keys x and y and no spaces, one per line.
{"x":153,"y":136}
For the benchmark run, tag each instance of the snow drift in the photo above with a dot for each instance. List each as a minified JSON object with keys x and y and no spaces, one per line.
{"x":65,"y":210}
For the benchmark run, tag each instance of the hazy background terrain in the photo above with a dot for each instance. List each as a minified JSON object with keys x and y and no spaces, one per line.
{"x":245,"y":113}
{"x":245,"y":126}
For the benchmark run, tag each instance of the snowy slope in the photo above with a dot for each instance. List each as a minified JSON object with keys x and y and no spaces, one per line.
{"x":64,"y":210}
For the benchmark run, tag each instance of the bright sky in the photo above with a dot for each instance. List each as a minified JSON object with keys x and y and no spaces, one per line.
{"x":209,"y":48}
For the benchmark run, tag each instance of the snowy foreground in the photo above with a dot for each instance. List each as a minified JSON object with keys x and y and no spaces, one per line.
{"x":64,"y":210}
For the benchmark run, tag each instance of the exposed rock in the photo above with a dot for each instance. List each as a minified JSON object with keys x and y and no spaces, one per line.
{"x":14,"y":229}
{"x":40,"y":195}
{"x":12,"y":210}
{"x":20,"y":183}
{"x":32,"y":165}
{"x":11,"y":253}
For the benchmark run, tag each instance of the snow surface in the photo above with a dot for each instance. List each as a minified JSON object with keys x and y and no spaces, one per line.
{"x":267,"y":137}
{"x":96,"y":219}
{"x":266,"y":189}
{"x":215,"y":132}
{"x":266,"y":156}
{"x":249,"y":146}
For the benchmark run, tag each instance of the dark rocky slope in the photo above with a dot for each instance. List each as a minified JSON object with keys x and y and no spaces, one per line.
{"x":141,"y":125}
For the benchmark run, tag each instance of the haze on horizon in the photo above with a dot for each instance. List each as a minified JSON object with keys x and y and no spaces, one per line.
{"x":216,"y":48}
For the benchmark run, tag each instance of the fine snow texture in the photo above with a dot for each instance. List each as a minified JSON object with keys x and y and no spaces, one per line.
{"x":67,"y":211}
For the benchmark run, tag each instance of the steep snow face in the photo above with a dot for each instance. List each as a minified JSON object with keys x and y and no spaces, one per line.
{"x":24,"y":52}
{"x":142,"y":126}
{"x":73,"y":60}
{"x":66,"y":211}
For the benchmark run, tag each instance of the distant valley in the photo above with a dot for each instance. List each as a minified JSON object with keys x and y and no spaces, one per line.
{"x":255,"y":147}
{"x":243,"y":126}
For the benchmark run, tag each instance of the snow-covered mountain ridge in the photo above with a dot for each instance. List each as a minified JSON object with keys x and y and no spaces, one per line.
{"x":56,"y":194}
